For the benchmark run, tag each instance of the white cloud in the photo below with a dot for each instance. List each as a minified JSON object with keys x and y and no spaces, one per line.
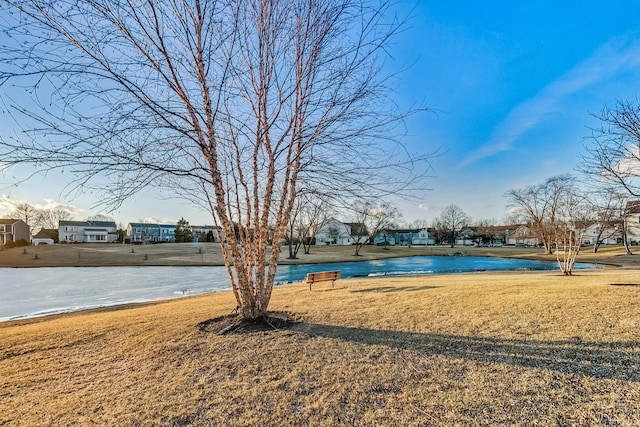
{"x":7,"y":205}
{"x":427,"y":207}
{"x":614,"y":58}
{"x":156,"y":220}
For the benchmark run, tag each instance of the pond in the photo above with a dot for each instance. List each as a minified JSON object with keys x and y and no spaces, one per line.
{"x":32,"y":292}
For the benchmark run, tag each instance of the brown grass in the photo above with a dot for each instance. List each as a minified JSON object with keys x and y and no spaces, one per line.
{"x":471,"y":349}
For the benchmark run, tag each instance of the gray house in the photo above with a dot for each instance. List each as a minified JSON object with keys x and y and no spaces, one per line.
{"x":87,"y":231}
{"x":12,"y":230}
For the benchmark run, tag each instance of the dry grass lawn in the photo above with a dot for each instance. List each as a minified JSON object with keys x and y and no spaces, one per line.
{"x":471,"y":349}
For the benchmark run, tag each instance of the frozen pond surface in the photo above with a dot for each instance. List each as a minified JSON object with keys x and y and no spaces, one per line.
{"x":31,"y":292}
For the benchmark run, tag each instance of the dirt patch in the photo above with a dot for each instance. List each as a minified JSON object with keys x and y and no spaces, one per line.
{"x":234,"y":324}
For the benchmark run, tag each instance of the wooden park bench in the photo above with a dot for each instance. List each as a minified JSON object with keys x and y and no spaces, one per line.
{"x":323,"y":276}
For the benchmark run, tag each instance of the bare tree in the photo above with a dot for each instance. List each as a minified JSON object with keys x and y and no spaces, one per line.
{"x":572,"y":218}
{"x":307,"y":215}
{"x":613,"y":150}
{"x":371,"y":219}
{"x":452,"y":219}
{"x":608,"y":211}
{"x":100,"y":217}
{"x":420,"y":224}
{"x":28,"y":213}
{"x":612,"y":155}
{"x":236,"y":104}
{"x":485,"y":230}
{"x":537,"y":206}
{"x":50,"y":218}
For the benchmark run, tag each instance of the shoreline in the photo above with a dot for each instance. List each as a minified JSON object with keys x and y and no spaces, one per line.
{"x":209,"y":254}
{"x":320,"y":255}
{"x":27,"y":318}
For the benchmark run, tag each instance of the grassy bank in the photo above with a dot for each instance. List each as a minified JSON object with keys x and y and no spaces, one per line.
{"x":90,"y":255}
{"x":473,"y":349}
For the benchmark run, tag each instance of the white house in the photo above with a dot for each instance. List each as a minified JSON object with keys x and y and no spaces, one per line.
{"x":633,"y":221}
{"x":424,"y":237}
{"x":611,"y":235}
{"x":334,"y":232}
{"x":521,"y":235}
{"x":87,"y":231}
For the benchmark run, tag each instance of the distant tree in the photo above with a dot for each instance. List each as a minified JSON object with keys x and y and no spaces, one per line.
{"x":608,"y":212}
{"x":100,"y":217}
{"x":121,"y":232}
{"x":308,"y":214}
{"x":210,"y":237}
{"x":612,"y":155}
{"x":371,"y":219}
{"x":50,"y":218}
{"x":537,"y":205}
{"x":485,"y":230}
{"x":183,"y":233}
{"x":420,"y":224}
{"x":28,"y":213}
{"x":612,"y":152}
{"x":452,"y":219}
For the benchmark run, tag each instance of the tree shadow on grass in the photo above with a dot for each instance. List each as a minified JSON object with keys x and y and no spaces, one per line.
{"x":617,"y":361}
{"x":394,"y":289}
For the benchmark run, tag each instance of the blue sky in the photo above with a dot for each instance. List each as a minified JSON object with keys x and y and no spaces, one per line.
{"x":511,"y":85}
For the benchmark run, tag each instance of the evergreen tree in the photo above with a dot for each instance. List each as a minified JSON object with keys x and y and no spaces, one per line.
{"x":183,"y":231}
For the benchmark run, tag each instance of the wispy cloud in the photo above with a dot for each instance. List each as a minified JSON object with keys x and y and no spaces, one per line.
{"x":616,"y":57}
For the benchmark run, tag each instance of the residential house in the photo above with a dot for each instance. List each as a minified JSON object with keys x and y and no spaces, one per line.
{"x":87,"y":231}
{"x":202,"y":233}
{"x":12,"y":230}
{"x":610,"y":235}
{"x":334,"y":232}
{"x":494,"y":234}
{"x":633,"y":221}
{"x":47,"y":236}
{"x":521,"y":235}
{"x":143,"y":232}
{"x":465,"y":237}
{"x":424,"y":237}
{"x":386,"y":237}
{"x":405,"y":237}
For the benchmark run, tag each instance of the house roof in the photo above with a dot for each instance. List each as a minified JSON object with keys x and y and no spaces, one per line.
{"x":151,"y":225}
{"x":89,"y":223}
{"x":144,"y":224}
{"x":46,"y":233}
{"x":8,"y":221}
{"x":633,"y":206}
